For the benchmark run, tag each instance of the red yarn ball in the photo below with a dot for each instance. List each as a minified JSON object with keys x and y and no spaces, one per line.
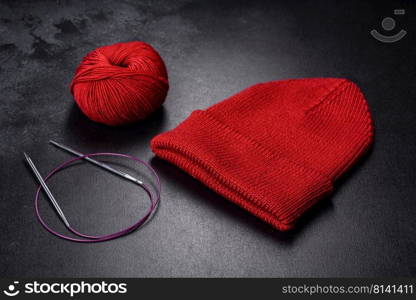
{"x":120,"y":83}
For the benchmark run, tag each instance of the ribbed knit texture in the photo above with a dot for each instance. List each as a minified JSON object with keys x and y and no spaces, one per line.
{"x":275,"y":148}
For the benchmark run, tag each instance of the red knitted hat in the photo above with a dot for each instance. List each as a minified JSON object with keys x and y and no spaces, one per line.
{"x":275,"y":148}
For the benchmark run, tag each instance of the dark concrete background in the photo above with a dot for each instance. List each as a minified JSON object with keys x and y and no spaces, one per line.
{"x":212,"y":49}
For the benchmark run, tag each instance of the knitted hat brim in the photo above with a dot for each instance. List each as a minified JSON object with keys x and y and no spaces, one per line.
{"x":267,"y":185}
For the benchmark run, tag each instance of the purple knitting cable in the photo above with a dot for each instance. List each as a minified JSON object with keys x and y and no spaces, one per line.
{"x":154,"y":200}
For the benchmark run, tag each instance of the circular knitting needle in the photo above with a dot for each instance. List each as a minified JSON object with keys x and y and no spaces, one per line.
{"x":47,"y":191}
{"x":100,"y":164}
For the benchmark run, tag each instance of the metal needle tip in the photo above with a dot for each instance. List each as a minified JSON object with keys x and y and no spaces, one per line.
{"x":98,"y":163}
{"x":46,"y":189}
{"x":54,"y":143}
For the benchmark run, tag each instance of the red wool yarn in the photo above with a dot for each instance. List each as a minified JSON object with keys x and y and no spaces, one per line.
{"x":275,"y":148}
{"x":120,"y":83}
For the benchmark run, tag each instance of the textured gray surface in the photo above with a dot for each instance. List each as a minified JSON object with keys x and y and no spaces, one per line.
{"x":212,"y":49}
